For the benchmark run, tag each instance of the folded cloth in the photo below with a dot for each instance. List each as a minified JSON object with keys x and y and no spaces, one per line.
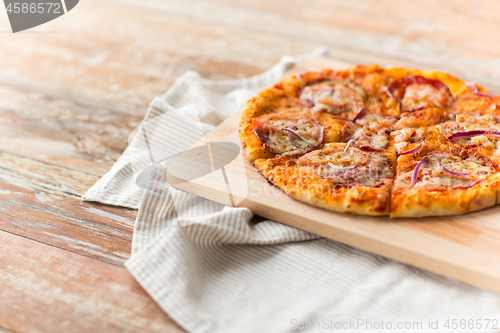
{"x":215,"y":268}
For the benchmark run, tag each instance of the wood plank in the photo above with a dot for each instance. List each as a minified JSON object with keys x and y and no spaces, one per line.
{"x":43,"y":176}
{"x":41,"y":201}
{"x":465,"y":247}
{"x":61,"y":131}
{"x":45,"y":289}
{"x":444,"y":34}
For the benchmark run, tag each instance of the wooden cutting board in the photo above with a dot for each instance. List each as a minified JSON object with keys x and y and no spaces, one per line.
{"x":465,"y":247}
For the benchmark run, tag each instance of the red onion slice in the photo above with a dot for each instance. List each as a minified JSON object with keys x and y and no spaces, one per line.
{"x":290,"y":133}
{"x":476,"y":91}
{"x":454,"y":172}
{"x":410,"y":152}
{"x":472,"y":133}
{"x":414,"y":175}
{"x":358,"y":115}
{"x":309,"y":99}
{"x":347,"y":146}
{"x":299,"y":77}
{"x":389,"y":93}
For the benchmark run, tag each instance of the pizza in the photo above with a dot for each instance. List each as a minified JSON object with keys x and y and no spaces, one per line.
{"x":377,"y":141}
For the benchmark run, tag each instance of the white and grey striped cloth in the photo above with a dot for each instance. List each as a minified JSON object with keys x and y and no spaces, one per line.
{"x":215,"y":268}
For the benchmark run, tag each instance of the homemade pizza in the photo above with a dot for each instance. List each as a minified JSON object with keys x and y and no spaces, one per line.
{"x":377,"y":141}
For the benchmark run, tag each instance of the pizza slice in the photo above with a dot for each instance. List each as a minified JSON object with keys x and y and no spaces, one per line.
{"x":435,"y":179}
{"x":339,"y":177}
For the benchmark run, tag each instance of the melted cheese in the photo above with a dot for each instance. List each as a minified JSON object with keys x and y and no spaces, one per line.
{"x":432,"y":177}
{"x":377,"y":123}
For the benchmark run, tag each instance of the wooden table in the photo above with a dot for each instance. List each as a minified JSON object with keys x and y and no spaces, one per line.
{"x":72,"y":90}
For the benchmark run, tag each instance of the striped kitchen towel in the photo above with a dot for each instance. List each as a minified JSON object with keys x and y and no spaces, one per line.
{"x":215,"y":268}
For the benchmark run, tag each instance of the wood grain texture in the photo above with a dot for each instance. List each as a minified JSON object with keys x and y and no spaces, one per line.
{"x":43,"y":202}
{"x":465,"y":247}
{"x":62,"y":131}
